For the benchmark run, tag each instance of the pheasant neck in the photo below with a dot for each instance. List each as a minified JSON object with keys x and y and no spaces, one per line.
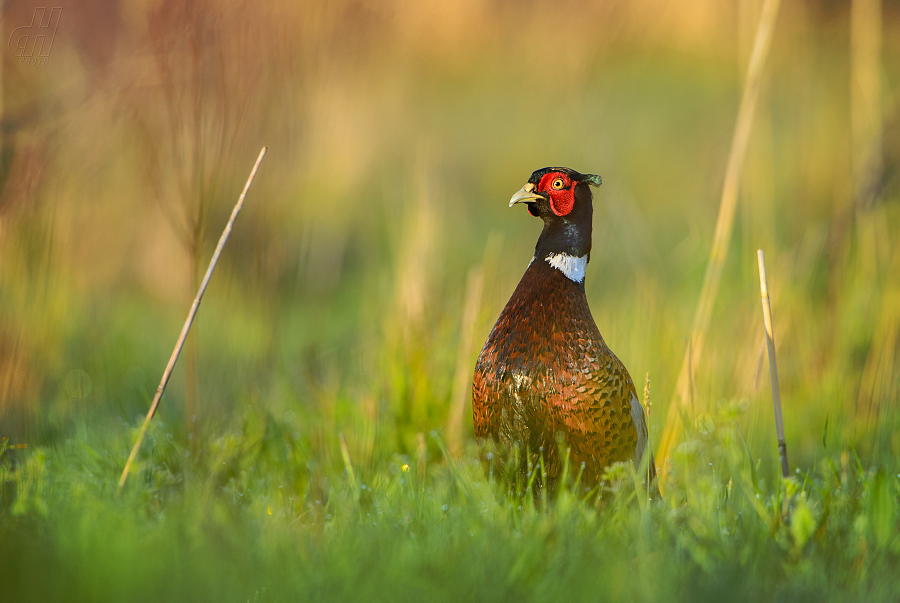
{"x":565,"y":244}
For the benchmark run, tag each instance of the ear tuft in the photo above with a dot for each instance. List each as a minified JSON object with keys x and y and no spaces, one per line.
{"x":592,"y":179}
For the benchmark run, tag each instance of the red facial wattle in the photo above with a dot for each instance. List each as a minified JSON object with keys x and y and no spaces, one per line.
{"x":561,"y":199}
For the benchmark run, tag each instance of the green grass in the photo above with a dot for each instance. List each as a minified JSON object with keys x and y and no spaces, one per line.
{"x":255,"y":520}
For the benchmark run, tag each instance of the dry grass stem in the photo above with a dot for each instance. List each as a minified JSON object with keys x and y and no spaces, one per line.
{"x":647,"y":401}
{"x":190,"y":319}
{"x":463,"y":375}
{"x":773,"y":363}
{"x":724,"y":226}
{"x":865,"y":97}
{"x":879,"y":375}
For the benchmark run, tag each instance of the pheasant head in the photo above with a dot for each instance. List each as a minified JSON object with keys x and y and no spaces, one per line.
{"x":562,"y":198}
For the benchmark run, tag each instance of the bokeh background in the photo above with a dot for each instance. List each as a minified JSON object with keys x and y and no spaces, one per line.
{"x":376,"y":247}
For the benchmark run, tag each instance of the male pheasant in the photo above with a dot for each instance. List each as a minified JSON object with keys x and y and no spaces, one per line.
{"x":545,"y":377}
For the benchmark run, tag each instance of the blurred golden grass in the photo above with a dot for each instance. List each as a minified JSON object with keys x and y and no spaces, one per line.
{"x":724,"y":226}
{"x":396,"y":132}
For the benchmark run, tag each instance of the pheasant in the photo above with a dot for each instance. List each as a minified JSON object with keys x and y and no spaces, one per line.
{"x":545,"y":379}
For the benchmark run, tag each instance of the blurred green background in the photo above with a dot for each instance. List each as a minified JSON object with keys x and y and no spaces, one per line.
{"x":397,"y":132}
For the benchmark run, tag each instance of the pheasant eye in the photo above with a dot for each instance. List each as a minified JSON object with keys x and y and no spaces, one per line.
{"x":558,"y":184}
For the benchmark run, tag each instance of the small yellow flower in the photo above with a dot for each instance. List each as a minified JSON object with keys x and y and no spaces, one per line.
{"x":405,"y":467}
{"x":270,"y":510}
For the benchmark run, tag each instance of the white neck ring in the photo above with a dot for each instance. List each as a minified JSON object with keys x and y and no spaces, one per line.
{"x":574,"y":268}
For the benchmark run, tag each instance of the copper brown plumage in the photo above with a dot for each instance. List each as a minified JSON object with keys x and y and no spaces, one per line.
{"x":545,"y":375}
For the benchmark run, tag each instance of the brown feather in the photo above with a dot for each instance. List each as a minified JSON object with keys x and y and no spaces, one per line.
{"x":546,"y":376}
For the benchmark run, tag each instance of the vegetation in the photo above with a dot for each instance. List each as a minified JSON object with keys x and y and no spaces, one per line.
{"x":299,"y":450}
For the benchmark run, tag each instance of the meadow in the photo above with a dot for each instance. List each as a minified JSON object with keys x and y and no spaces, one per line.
{"x":315,"y":441}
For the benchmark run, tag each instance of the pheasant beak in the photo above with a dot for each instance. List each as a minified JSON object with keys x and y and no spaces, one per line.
{"x":525,"y":195}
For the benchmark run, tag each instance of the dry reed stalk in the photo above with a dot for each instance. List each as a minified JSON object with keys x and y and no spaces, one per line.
{"x":773,"y":363}
{"x":463,"y":376}
{"x":865,"y":96}
{"x":879,"y":372}
{"x":724,"y":227}
{"x":2,"y":108}
{"x":647,"y":403}
{"x":414,"y":262}
{"x":866,"y":130}
{"x":190,"y":319}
